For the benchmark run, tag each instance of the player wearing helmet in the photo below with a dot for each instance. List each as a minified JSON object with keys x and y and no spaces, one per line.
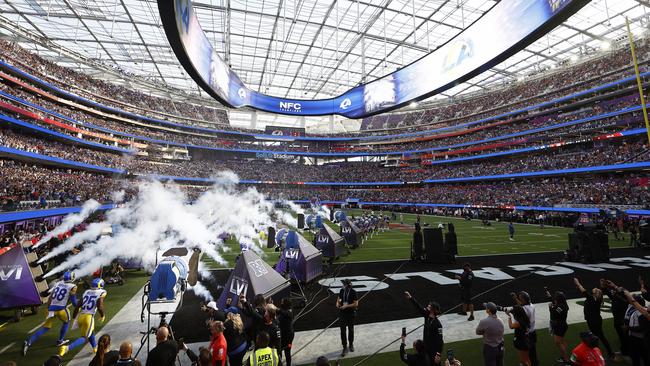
{"x":91,"y":302}
{"x":57,"y":308}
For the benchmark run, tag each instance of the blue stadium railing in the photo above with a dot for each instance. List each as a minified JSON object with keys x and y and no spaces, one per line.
{"x":16,"y":216}
{"x":10,"y":120}
{"x":49,"y":160}
{"x":117,"y":111}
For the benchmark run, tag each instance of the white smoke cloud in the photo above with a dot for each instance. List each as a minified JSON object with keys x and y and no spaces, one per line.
{"x":71,"y":221}
{"x":201,"y":291}
{"x":159,"y":218}
{"x":118,"y":196}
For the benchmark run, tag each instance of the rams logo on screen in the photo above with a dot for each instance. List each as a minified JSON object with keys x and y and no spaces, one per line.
{"x":345,"y":104}
{"x":290,"y":107}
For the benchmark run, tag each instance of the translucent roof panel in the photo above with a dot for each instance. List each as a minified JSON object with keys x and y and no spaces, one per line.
{"x":302,"y":48}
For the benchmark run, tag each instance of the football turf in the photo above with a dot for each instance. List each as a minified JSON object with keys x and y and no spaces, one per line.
{"x":13,"y":334}
{"x":473,"y":239}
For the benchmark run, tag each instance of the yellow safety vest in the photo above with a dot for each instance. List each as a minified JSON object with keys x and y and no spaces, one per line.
{"x":264,"y":357}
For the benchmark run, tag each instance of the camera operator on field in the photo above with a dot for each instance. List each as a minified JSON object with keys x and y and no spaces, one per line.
{"x":166,"y":350}
{"x":432,"y":330}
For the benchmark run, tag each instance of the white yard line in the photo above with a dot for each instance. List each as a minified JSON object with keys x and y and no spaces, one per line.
{"x":7,"y":347}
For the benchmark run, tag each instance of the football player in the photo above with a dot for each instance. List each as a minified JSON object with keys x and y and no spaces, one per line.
{"x":57,"y":308}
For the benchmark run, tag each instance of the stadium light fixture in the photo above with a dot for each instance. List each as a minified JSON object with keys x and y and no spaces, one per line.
{"x":574,"y":58}
{"x":413,"y":104}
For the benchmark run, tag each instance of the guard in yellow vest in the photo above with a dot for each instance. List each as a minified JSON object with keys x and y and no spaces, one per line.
{"x":263,"y":355}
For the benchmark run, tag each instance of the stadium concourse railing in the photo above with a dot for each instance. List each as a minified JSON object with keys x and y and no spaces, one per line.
{"x":22,"y":155}
{"x":271,"y":152}
{"x":27,"y":125}
{"x":259,"y":136}
{"x":23,"y":216}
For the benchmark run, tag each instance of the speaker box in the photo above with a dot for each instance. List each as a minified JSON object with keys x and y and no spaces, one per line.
{"x":433,"y":245}
{"x":644,"y":235}
{"x":270,"y":240}
{"x":451,"y":244}
{"x":301,"y":221}
{"x":418,"y":250}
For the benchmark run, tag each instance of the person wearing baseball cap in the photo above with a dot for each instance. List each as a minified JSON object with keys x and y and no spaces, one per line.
{"x":213,"y":312}
{"x":347,"y":303}
{"x":432,"y":329}
{"x":491,"y":328}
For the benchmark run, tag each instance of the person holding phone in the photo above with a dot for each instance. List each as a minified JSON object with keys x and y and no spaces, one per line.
{"x":451,"y":359}
{"x":420,"y":358}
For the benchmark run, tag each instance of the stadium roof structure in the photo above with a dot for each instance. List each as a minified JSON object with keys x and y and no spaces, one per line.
{"x":295,"y":48}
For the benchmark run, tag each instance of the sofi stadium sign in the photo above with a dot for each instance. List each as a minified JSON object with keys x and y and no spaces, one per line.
{"x":508,"y":27}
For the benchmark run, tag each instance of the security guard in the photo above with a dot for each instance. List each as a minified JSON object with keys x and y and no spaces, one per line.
{"x":263,"y":355}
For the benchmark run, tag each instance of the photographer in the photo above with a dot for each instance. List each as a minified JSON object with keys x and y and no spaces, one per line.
{"x":558,"y":310}
{"x":420,"y":358}
{"x":491,"y":328}
{"x":164,"y":354}
{"x":432,"y":331}
{"x":521,"y":325}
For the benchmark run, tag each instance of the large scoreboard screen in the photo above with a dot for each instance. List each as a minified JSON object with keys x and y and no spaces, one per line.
{"x":506,"y":28}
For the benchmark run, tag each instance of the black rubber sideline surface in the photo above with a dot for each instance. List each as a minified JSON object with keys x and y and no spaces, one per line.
{"x":387,"y":302}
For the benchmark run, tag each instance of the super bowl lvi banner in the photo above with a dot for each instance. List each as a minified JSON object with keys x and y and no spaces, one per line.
{"x":16,"y":283}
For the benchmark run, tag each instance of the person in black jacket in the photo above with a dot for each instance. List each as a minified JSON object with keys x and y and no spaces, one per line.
{"x":593,"y":303}
{"x":420,"y":358}
{"x":432,"y":332}
{"x":558,"y":310}
{"x":267,"y":322}
{"x":619,"y":308}
{"x":347,"y":304}
{"x":285,"y":318}
{"x":164,"y":354}
{"x":465,"y":281}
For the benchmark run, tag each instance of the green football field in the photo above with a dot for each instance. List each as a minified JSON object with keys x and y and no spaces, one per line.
{"x":473,"y":239}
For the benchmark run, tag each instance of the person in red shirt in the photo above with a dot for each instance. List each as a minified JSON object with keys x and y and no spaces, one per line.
{"x":587,"y":352}
{"x":218,"y":345}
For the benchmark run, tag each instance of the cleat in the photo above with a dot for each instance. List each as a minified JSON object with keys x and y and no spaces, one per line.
{"x":94,"y":349}
{"x":62,"y":342}
{"x":63,"y":350}
{"x":351,"y":348}
{"x":25,"y":348}
{"x":344,"y":352}
{"x":471,"y":317}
